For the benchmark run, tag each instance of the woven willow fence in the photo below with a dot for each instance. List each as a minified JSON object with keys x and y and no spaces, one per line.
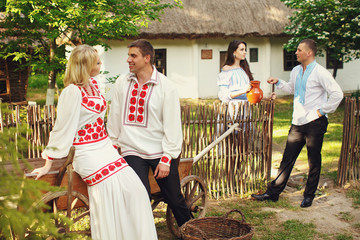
{"x":349,"y":162}
{"x":238,"y":164}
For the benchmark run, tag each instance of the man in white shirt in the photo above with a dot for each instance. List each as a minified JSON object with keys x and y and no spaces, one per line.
{"x":145,"y":122}
{"x":316,"y":93}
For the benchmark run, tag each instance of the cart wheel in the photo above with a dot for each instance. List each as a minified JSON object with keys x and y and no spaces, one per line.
{"x":77,"y":210}
{"x":195,"y":194}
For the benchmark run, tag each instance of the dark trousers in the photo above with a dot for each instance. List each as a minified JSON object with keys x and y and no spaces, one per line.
{"x":311,"y":134}
{"x":170,"y":186}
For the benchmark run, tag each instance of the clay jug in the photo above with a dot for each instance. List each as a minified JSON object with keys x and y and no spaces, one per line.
{"x":255,"y":94}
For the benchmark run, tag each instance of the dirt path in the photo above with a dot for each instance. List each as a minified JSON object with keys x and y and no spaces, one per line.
{"x":332,"y":212}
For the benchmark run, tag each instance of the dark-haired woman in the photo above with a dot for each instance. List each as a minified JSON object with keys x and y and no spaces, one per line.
{"x":235,"y":76}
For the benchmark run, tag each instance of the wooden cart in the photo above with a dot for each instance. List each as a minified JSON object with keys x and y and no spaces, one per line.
{"x":73,"y":201}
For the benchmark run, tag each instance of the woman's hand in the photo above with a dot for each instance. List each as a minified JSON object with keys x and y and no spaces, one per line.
{"x":43,"y":170}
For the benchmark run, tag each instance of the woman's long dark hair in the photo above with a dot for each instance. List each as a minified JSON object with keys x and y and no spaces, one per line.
{"x":233,"y":45}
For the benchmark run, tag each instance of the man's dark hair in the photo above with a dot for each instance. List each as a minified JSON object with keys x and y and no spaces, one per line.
{"x":311,"y":44}
{"x":145,"y":48}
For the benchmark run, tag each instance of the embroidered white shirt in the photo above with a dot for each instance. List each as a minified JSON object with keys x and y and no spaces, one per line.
{"x":322,"y":93}
{"x":146,"y":122}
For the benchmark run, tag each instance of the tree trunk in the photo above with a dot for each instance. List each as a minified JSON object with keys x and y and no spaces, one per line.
{"x":50,"y":94}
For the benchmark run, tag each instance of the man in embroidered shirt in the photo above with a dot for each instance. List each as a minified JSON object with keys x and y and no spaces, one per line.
{"x":316,"y":94}
{"x":145,"y":122}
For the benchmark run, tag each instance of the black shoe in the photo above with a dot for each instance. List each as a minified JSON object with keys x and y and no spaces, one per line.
{"x":306,"y":202}
{"x":265,"y":196}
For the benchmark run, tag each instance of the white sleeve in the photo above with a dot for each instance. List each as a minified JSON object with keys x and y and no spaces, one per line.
{"x":66,"y":124}
{"x":173,"y":139}
{"x":289,"y":87}
{"x":223,"y":82}
{"x":114,"y":117}
{"x":335,"y":94}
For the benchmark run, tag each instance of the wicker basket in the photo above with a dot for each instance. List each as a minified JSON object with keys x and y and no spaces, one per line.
{"x":216,"y":228}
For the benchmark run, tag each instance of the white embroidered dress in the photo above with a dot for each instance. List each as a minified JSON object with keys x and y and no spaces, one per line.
{"x":230,"y":81}
{"x":119,"y":204}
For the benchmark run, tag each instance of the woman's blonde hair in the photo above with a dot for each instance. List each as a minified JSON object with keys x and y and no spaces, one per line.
{"x":82,"y":59}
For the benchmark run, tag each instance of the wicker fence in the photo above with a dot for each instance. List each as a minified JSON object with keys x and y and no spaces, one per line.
{"x":349,"y":162}
{"x":238,"y":164}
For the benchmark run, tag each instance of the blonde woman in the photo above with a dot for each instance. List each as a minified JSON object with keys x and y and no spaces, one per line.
{"x":119,"y":204}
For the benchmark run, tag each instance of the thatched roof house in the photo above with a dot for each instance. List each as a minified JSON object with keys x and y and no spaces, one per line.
{"x":191,"y":43}
{"x":221,"y":18}
{"x":13,"y":77}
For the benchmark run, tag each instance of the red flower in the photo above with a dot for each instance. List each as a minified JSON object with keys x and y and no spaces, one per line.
{"x":81,"y":139}
{"x":95,"y":135}
{"x":141,"y":110}
{"x":118,"y":164}
{"x":101,"y":134}
{"x":105,"y":172}
{"x":141,"y":102}
{"x":132,"y":109}
{"x":93,"y":180}
{"x":140,"y":118}
{"x":131,"y":117}
{"x":90,"y":130}
{"x":164,"y":159}
{"x":98,"y":176}
{"x":111,"y":167}
{"x":105,"y":133}
{"x":100,"y":121}
{"x":134,"y":92}
{"x":136,"y":85}
{"x":102,"y":108}
{"x":82,"y":94}
{"x":98,"y":129}
{"x":82,"y":132}
{"x":87,"y":137}
{"x":142,"y":94}
{"x":91,"y":104}
{"x":94,"y":81}
{"x":133,"y":100}
{"x":123,"y":160}
{"x":88,"y":181}
{"x":85,"y":100}
{"x":87,"y":126}
{"x":145,"y":87}
{"x":97,"y":107}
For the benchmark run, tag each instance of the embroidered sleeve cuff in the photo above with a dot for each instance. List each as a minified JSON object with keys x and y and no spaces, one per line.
{"x":165,"y":160}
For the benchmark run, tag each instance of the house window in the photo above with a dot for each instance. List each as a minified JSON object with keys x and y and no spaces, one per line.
{"x":254,"y":54}
{"x":290,"y":60}
{"x":160,"y":60}
{"x":330,"y":61}
{"x":222,"y":58}
{"x":4,"y":80}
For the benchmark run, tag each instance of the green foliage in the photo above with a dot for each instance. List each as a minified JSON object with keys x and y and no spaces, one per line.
{"x":44,"y":27}
{"x":40,"y":81}
{"x":21,"y":212}
{"x":332,"y":24}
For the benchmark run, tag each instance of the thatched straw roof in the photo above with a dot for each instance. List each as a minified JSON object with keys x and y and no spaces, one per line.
{"x":220,"y":18}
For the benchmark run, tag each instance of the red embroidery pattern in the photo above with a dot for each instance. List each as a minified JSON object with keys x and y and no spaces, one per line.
{"x":165,"y":160}
{"x":92,"y":132}
{"x":105,"y":172}
{"x":93,"y":103}
{"x":136,"y":113}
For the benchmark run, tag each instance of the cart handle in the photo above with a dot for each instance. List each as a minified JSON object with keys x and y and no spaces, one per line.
{"x":214,"y":143}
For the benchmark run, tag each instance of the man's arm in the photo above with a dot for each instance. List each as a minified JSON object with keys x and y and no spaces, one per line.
{"x":114,"y":117}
